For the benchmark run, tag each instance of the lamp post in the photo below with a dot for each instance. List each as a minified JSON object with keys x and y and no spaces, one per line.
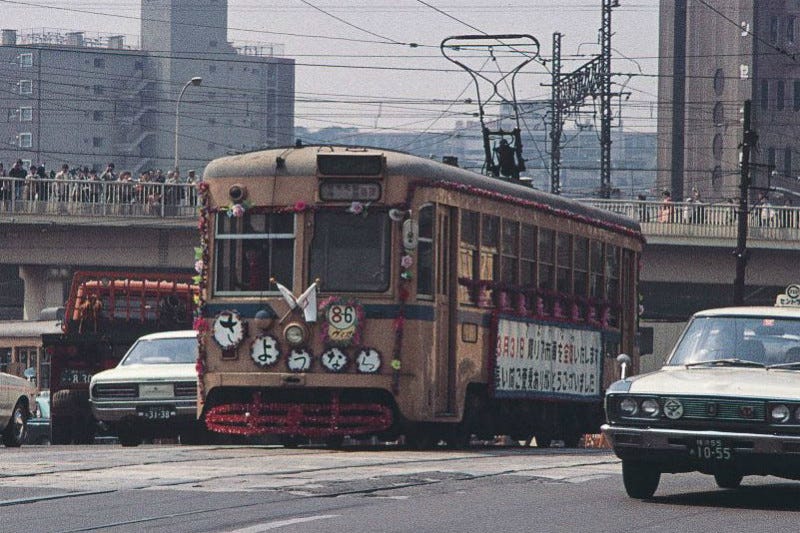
{"x":194,"y":81}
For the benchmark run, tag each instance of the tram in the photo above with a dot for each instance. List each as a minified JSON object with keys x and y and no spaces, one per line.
{"x":351,"y":291}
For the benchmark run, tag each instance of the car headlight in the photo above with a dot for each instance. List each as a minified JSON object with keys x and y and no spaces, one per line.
{"x":779,"y":413}
{"x":650,"y":407}
{"x":797,"y":415}
{"x":628,"y":407}
{"x":295,"y":334}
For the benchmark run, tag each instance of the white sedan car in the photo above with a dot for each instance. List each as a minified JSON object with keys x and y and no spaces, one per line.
{"x":16,"y":398}
{"x":152,"y":393}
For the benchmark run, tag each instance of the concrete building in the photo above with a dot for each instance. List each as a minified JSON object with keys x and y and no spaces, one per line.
{"x":85,"y":99}
{"x":716,"y":54}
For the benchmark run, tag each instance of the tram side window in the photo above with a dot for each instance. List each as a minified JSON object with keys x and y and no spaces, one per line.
{"x":468,"y":255}
{"x":509,"y":272}
{"x":425,"y":252}
{"x":253,"y":248}
{"x":546,"y":259}
{"x":490,"y":256}
{"x":564,"y":263}
{"x":612,"y":280}
{"x":581,"y":276}
{"x":351,"y":253}
{"x":528,"y":255}
{"x":596,"y":265}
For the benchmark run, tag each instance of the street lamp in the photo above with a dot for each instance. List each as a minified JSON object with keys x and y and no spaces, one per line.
{"x":194,"y":81}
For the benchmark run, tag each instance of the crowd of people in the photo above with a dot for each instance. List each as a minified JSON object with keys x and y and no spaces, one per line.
{"x":152,"y":188}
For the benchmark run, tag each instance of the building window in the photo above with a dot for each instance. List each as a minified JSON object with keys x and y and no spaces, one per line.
{"x":719,"y":114}
{"x":780,"y":95}
{"x":764,"y":94}
{"x":787,"y":161}
{"x":773,"y":29}
{"x":719,"y":82}
{"x":771,"y":157}
{"x":25,"y":140}
{"x":26,"y":60}
{"x":717,"y":147}
{"x":98,"y":142}
{"x":26,"y":87}
{"x":25,"y":114}
{"x":99,"y":62}
{"x":97,"y":116}
{"x":790,"y":30}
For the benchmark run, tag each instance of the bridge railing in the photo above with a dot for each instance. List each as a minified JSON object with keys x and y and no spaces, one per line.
{"x":97,"y":198}
{"x":711,"y":220}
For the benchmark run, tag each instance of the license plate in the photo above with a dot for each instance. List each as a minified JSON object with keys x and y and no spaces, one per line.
{"x":156,"y":412}
{"x":711,"y":450}
{"x":156,"y":390}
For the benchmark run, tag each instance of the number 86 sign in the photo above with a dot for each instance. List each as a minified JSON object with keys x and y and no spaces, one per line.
{"x":344,"y":320}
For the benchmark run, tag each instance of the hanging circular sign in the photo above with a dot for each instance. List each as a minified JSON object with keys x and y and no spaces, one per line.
{"x":299,"y":360}
{"x":344,"y":320}
{"x":368,"y":361}
{"x":264,"y":351}
{"x":228,"y":330}
{"x":334,"y":359}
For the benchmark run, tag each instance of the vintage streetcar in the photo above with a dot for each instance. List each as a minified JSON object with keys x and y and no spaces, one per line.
{"x":367,"y":292}
{"x":726,"y":402}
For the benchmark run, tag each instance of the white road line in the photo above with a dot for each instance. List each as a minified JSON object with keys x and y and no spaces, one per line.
{"x":258,"y":528}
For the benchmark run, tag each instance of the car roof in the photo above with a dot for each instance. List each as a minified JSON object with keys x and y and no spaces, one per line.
{"x":182,"y":334}
{"x":752,"y":311}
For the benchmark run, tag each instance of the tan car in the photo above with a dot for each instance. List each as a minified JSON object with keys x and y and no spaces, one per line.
{"x":16,"y":398}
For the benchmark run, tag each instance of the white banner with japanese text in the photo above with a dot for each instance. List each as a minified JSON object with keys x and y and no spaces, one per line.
{"x":547,"y":360}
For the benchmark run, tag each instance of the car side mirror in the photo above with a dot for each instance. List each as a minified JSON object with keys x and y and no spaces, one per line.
{"x":624,"y":361}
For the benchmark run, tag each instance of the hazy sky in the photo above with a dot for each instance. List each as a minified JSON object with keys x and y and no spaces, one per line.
{"x":356,"y":68}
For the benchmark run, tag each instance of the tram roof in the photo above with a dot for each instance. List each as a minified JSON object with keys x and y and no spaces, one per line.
{"x":302,"y":161}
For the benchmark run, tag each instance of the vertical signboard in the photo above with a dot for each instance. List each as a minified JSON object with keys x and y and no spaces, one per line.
{"x":545,"y":360}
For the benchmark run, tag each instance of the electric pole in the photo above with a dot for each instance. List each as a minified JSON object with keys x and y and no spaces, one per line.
{"x":749,"y":139}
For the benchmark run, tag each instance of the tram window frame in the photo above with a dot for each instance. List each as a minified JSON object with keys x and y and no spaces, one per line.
{"x":469,"y":229}
{"x":613,"y":274}
{"x":528,"y":254}
{"x":489,"y":248}
{"x":374,"y":264}
{"x":596,"y":269}
{"x":425,"y":255}
{"x":580,"y":276}
{"x":546,"y":243}
{"x":509,"y":251}
{"x":564,"y":262}
{"x":234,"y":232}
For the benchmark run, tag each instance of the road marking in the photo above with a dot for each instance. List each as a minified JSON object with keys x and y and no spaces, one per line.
{"x":258,"y":528}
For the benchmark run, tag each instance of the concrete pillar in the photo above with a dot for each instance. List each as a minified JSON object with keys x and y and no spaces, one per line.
{"x":44,"y":287}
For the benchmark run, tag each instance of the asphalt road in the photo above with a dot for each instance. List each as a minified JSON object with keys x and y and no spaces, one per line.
{"x":254,"y":489}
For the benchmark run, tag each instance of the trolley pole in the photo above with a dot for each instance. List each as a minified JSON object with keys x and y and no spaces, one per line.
{"x":749,"y":139}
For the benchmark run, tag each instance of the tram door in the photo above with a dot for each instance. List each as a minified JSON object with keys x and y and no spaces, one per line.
{"x":446,"y":297}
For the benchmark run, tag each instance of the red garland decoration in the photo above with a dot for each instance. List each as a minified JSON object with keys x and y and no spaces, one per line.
{"x":477,"y":191}
{"x":200,"y":323}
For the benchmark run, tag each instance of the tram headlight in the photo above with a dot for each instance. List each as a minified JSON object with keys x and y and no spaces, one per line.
{"x":295,"y":334}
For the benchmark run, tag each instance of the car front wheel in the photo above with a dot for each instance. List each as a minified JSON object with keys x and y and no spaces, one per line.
{"x":640,"y":479}
{"x":14,"y":433}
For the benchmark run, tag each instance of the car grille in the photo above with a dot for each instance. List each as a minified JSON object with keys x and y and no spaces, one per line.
{"x":114,"y":391}
{"x":724,"y":409}
{"x":186,"y":389}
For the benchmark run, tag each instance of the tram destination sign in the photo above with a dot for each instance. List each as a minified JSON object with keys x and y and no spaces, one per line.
{"x":539,"y":360}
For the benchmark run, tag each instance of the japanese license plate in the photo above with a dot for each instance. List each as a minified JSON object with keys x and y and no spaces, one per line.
{"x":156,"y":412}
{"x":711,"y":450}
{"x":156,"y":390}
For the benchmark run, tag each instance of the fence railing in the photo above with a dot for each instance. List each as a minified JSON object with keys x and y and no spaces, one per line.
{"x":717,"y":220}
{"x":97,"y":198}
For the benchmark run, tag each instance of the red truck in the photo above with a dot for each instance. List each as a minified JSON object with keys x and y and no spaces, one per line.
{"x":104,"y":314}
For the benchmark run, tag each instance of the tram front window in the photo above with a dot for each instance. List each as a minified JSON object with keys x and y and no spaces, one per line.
{"x":350,"y":253}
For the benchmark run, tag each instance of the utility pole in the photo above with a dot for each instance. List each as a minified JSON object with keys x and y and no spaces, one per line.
{"x":557,"y":120}
{"x":605,"y":99}
{"x":749,"y":139}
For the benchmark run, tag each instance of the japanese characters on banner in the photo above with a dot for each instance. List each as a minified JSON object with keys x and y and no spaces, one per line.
{"x":546,"y":360}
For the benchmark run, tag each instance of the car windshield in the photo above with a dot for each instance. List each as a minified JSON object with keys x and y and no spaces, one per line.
{"x":738,"y":340}
{"x":162,"y":351}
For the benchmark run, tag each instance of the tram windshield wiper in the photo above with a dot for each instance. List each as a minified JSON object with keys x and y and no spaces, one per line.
{"x":726,"y":362}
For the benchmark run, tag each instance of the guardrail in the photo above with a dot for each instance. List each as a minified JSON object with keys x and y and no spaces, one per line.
{"x":713,"y":221}
{"x":97,"y":198}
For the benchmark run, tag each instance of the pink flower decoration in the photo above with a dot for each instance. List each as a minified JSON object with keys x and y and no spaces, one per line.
{"x":200,"y":324}
{"x":356,"y":208}
{"x":237,"y":210}
{"x":300,"y":206}
{"x":198,"y":266}
{"x":406,"y":261}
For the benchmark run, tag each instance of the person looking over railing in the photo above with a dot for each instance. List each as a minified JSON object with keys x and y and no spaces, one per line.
{"x":665,"y":214}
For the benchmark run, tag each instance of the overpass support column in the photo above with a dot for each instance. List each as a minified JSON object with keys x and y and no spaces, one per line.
{"x":44,"y":287}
